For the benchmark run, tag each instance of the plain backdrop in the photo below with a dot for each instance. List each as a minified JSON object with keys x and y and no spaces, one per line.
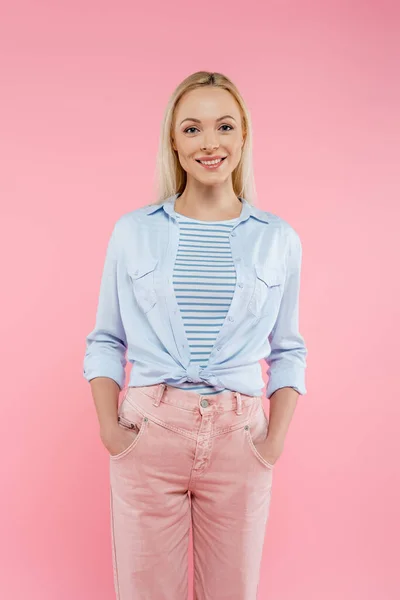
{"x":83,"y":90}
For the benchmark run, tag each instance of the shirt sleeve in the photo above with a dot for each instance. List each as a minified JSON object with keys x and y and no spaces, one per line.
{"x":287,"y":359}
{"x":106,"y":344}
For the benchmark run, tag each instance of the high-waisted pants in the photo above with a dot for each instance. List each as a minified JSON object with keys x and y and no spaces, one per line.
{"x":193,"y":462}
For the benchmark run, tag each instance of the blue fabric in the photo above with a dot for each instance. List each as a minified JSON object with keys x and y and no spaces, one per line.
{"x":204,"y":279}
{"x":138,"y":317}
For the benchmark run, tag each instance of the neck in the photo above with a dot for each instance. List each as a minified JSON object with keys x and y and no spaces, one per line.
{"x":208,"y":208}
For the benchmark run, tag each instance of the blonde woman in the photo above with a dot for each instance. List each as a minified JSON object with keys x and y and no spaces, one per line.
{"x":197,"y":288}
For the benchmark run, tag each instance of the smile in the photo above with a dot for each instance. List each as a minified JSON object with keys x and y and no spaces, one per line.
{"x":211,"y":164}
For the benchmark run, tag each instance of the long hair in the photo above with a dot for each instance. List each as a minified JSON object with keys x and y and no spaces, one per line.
{"x":170,"y":177}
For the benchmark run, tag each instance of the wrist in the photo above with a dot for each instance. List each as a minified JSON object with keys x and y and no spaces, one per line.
{"x":108,"y":426}
{"x":277,"y":442}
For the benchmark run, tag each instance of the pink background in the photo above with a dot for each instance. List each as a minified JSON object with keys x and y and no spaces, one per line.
{"x":84,"y":85}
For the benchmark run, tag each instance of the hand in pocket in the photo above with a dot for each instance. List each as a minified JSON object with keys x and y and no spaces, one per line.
{"x":119,"y":438}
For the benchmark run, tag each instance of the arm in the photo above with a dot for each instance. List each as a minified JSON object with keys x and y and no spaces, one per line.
{"x":106,"y":344}
{"x":287,"y":360}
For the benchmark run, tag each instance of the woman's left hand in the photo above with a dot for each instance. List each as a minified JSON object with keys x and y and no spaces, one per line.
{"x":270,"y":450}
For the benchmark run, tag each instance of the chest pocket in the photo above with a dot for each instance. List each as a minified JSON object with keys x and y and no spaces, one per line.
{"x":142,"y":275}
{"x":267,"y":290}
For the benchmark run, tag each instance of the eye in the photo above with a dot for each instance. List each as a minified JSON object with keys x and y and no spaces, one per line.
{"x":230,"y":127}
{"x":225,"y":125}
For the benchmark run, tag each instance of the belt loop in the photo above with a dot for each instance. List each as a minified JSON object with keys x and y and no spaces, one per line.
{"x":238,"y":403}
{"x":159,"y":394}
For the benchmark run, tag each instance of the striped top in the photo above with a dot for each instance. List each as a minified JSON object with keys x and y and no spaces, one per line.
{"x":204,"y":279}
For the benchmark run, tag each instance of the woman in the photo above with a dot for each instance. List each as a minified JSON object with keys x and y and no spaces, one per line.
{"x":196,"y":288}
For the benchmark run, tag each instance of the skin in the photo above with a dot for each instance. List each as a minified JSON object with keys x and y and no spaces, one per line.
{"x":208,"y":196}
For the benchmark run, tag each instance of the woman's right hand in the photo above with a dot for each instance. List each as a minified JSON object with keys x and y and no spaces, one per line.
{"x":117,"y":438}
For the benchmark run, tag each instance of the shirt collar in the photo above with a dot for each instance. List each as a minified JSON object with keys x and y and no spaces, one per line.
{"x":248,"y":209}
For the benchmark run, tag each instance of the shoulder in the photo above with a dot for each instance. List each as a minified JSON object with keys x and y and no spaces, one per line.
{"x":292,"y":240}
{"x":291,"y":234}
{"x":287,"y":233}
{"x":132,"y":218}
{"x":277,"y":222}
{"x":137,"y":214}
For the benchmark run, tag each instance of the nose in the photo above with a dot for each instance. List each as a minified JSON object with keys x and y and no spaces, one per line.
{"x":210,"y":141}
{"x":211,"y":146}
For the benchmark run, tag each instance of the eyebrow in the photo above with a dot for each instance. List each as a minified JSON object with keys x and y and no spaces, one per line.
{"x":198,"y":120}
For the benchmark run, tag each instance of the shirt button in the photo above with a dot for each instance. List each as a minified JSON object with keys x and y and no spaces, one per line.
{"x":240,"y":284}
{"x":137,"y":271}
{"x":233,"y":234}
{"x":230,"y":318}
{"x":238,"y":259}
{"x":219,"y":348}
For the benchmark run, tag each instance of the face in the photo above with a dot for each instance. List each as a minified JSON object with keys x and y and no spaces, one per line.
{"x":200,"y":132}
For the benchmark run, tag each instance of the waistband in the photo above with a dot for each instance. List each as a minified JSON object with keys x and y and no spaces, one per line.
{"x":190,"y":400}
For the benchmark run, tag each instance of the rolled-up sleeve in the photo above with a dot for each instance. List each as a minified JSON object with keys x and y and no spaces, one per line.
{"x":106,"y":344}
{"x":287,"y":359}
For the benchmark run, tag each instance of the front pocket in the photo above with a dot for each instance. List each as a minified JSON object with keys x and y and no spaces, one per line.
{"x":256,"y":430}
{"x":267,"y":290}
{"x":130,"y":418}
{"x":143,"y":282}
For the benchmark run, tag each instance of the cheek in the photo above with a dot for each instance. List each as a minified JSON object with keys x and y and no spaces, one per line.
{"x":187,"y":163}
{"x":234,"y":147}
{"x":235,"y":154}
{"x":186,"y":152}
{"x":238,"y":146}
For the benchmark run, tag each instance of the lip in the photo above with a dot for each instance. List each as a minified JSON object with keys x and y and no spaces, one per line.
{"x":209,"y":157}
{"x":213,"y":167}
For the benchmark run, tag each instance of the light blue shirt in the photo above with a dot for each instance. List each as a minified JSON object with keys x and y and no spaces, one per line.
{"x":138,"y":317}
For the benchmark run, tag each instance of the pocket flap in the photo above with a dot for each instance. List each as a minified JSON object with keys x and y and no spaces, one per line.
{"x":270,"y":275}
{"x":137,"y":270}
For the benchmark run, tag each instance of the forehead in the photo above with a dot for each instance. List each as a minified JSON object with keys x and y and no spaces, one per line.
{"x":207,"y":103}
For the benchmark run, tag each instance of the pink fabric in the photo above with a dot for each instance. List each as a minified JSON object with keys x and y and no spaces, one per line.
{"x":192,"y":462}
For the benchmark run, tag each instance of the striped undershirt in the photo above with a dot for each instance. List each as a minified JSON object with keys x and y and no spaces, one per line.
{"x":204,"y":279}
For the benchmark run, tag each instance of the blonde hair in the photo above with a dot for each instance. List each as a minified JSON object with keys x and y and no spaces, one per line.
{"x":170,"y":177}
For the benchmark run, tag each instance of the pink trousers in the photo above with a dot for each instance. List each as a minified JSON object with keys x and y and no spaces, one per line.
{"x":192,"y":462}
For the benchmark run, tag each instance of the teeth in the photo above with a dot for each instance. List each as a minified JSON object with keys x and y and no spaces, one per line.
{"x":210,"y":162}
